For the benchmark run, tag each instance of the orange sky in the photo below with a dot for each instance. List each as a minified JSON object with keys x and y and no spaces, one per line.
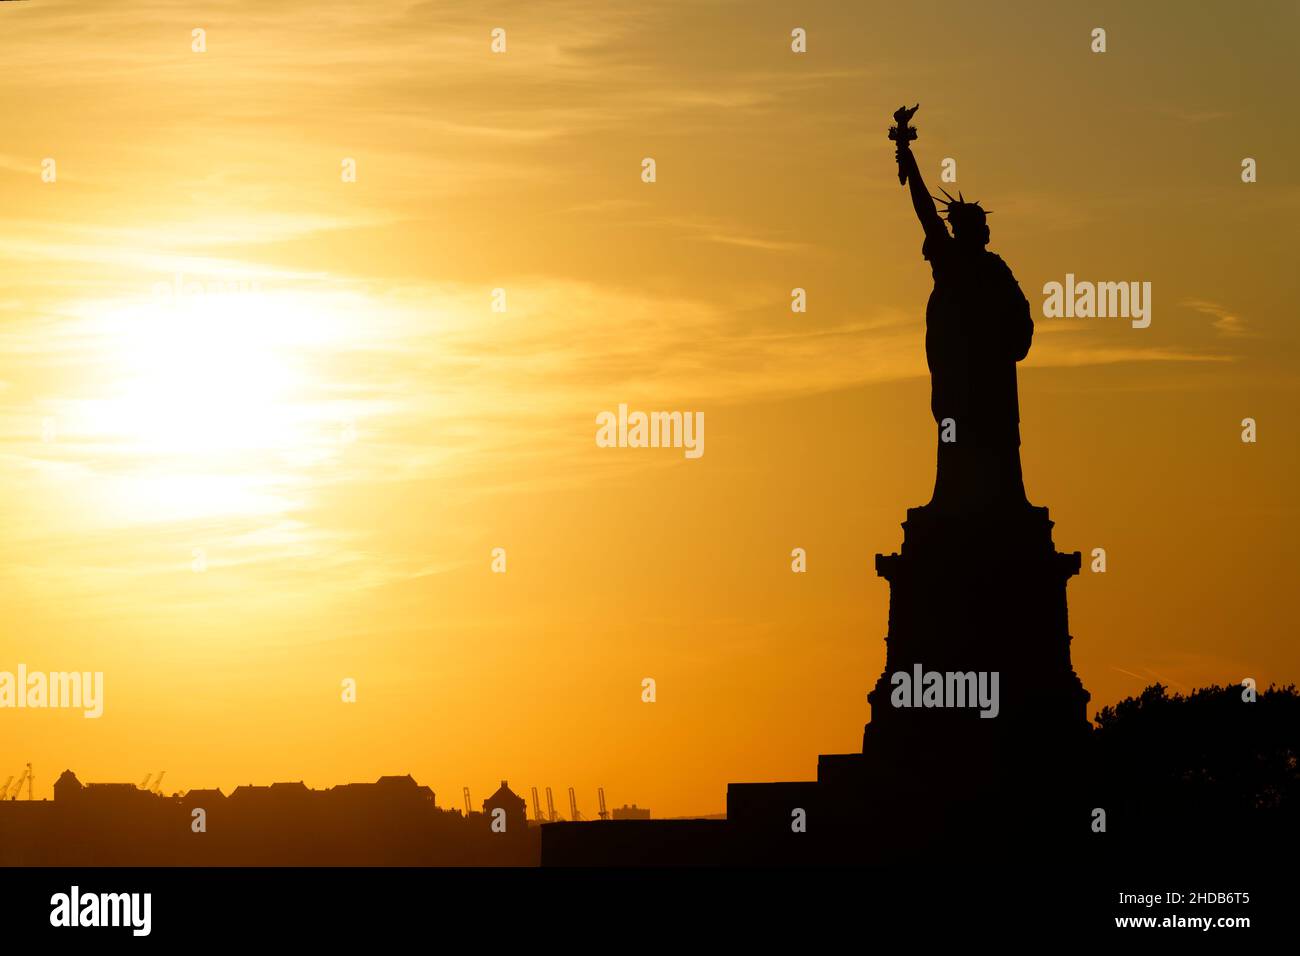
{"x":348,"y":434}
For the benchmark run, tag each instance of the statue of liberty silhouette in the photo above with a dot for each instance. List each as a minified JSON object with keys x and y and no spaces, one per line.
{"x":977,"y":327}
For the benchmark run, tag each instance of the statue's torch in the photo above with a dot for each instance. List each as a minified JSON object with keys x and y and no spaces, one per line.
{"x":902,"y":134}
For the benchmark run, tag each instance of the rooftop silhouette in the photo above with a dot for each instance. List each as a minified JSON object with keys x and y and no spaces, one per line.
{"x":393,"y":821}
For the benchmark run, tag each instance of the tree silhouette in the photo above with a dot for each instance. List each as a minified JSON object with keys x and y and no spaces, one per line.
{"x":1208,"y":763}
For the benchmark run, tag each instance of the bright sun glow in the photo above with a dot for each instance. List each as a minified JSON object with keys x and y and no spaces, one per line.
{"x":205,"y":403}
{"x":207,"y":380}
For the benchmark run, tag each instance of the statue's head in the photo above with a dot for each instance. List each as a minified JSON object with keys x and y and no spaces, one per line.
{"x":969,"y":225}
{"x":968,"y":220}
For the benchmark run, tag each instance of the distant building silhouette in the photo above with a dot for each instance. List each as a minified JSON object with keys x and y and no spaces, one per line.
{"x":514,"y":806}
{"x":393,"y":821}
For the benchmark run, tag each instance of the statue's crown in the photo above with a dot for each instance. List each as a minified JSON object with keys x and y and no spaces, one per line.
{"x":959,"y":210}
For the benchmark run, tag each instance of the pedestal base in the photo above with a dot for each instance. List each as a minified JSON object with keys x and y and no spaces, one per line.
{"x":971,"y":596}
{"x":980,"y":595}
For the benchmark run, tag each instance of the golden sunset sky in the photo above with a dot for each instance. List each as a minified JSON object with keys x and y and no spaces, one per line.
{"x":346,"y":436}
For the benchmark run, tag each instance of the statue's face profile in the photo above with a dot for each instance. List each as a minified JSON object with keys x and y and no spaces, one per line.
{"x":973,"y":236}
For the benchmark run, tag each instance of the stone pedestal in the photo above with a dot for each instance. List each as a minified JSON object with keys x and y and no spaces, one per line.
{"x":970,"y":593}
{"x":979,"y":594}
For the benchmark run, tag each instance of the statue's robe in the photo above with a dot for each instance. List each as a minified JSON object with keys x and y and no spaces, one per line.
{"x":977,"y":327}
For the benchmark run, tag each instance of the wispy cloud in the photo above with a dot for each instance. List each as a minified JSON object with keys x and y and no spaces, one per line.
{"x":1226,"y":321}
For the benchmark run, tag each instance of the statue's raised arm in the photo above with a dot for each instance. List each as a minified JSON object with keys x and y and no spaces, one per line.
{"x":903,"y":134}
